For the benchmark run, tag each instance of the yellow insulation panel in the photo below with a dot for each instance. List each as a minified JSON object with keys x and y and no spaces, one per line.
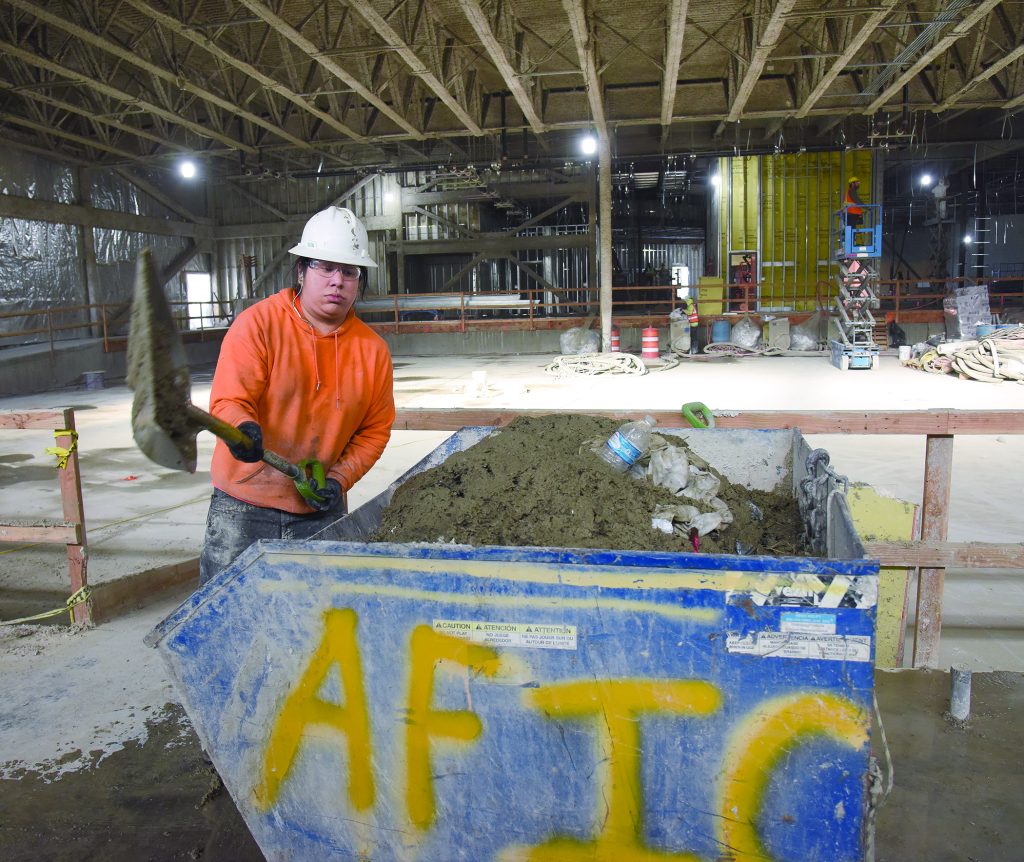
{"x":782,"y":205}
{"x":880,"y":518}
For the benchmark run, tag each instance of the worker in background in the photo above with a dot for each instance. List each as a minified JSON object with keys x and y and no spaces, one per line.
{"x":939,"y":192}
{"x":692,"y":316}
{"x":854,"y":205}
{"x":300,"y":374}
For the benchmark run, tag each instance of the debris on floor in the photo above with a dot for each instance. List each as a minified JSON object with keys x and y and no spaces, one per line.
{"x":537,"y":482}
{"x":994,"y":358}
{"x":159,"y":799}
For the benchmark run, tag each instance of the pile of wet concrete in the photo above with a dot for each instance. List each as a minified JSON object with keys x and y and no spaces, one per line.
{"x":538,"y":482}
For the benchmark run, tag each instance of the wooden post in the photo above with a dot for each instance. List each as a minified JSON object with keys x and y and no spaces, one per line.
{"x":71,"y":498}
{"x":938,"y":471}
{"x":72,"y":532}
{"x":604,"y":225}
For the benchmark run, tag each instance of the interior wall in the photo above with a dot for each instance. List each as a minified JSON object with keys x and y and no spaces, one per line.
{"x":781,"y":209}
{"x":43,"y":264}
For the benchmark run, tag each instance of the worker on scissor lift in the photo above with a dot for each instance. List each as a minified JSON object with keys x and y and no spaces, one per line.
{"x":854,"y":205}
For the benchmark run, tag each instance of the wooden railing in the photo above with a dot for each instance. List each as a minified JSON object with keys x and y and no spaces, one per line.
{"x":71,"y":532}
{"x":932,"y":555}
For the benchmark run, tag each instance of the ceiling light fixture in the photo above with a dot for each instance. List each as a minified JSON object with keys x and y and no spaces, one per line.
{"x":588,"y":145}
{"x":926,"y":180}
{"x":187,"y":169}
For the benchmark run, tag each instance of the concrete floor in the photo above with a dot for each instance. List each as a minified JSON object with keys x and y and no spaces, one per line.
{"x":95,"y":689}
{"x":142,"y":518}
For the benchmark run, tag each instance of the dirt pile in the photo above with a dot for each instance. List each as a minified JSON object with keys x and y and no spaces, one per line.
{"x":536,"y":483}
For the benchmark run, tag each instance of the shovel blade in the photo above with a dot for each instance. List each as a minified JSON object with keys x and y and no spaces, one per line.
{"x":158,"y":374}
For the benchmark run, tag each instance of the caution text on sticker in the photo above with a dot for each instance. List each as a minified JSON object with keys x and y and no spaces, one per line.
{"x":524,"y":635}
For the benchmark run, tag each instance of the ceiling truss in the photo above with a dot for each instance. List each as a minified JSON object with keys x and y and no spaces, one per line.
{"x":352,"y":84}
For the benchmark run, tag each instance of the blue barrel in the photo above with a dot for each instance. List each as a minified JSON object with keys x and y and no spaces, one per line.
{"x":721,"y":330}
{"x":984,"y":330}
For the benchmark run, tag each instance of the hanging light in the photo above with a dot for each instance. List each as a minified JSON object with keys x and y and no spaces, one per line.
{"x":187,"y":169}
{"x":926,"y":180}
{"x":588,"y":145}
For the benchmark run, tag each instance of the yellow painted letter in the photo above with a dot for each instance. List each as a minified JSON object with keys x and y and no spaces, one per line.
{"x":427,"y":648}
{"x":303,"y":708}
{"x":775,"y":727}
{"x":615,"y":707}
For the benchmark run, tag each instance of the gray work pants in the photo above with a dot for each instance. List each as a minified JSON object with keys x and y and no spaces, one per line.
{"x":232,"y":525}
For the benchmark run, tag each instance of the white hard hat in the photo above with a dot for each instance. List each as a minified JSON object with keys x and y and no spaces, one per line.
{"x":335,"y":234}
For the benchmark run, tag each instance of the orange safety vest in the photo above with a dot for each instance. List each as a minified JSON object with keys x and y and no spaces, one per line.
{"x":852,"y":207}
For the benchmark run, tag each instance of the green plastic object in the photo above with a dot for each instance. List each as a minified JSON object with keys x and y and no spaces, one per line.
{"x":698,"y":415}
{"x":311,"y":480}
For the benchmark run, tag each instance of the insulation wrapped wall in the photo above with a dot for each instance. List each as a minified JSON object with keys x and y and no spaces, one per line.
{"x":42,"y":264}
{"x":39,"y":262}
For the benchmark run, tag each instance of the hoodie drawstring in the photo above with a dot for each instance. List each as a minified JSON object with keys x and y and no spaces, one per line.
{"x":337,"y":377}
{"x":316,"y":365}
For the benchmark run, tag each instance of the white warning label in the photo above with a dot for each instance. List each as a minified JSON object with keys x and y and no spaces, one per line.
{"x":807,"y":622}
{"x":528,"y":635}
{"x":799,"y":645}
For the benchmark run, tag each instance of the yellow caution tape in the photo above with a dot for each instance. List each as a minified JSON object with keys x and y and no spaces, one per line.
{"x":62,"y":453}
{"x":76,"y":598}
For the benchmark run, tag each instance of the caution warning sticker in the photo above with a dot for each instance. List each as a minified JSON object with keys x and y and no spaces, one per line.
{"x":527,"y":635}
{"x":799,"y":645}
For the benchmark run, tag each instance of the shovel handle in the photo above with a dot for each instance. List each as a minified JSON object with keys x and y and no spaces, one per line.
{"x":230,"y":434}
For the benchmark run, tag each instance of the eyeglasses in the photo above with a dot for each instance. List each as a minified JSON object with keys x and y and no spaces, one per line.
{"x":329,"y":268}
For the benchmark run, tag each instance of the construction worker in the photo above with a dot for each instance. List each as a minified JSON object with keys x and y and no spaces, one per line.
{"x":300,"y":374}
{"x":690,"y":307}
{"x":854,"y":205}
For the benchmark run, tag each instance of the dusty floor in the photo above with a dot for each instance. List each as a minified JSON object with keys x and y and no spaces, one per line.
{"x":76,"y":704}
{"x":956,"y":795}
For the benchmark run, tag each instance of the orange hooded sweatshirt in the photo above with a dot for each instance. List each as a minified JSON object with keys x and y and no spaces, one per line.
{"x":328,"y":397}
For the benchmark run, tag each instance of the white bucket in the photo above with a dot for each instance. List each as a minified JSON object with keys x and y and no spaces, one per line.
{"x":904,"y":351}
{"x":478,"y":388}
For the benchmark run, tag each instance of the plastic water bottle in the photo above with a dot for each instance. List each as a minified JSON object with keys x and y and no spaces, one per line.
{"x":628,"y":444}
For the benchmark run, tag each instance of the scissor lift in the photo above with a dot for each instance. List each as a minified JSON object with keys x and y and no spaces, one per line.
{"x":856,"y":249}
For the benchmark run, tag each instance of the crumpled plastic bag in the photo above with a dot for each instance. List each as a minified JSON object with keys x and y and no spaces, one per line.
{"x":577,"y":340}
{"x":684,"y":517}
{"x":745,"y":333}
{"x":806,"y":335}
{"x":701,"y":485}
{"x":669,"y":468}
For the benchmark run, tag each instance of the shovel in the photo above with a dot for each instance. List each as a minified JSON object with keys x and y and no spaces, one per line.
{"x":164,"y":420}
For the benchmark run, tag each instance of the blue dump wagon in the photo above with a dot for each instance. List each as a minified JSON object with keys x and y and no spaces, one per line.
{"x":367,"y":701}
